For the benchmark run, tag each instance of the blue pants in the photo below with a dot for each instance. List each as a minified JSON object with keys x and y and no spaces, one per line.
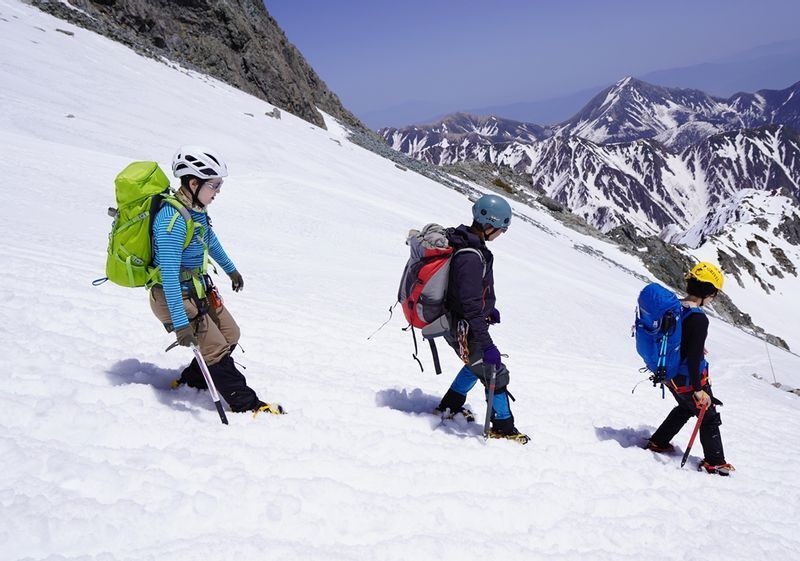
{"x":465,"y":380}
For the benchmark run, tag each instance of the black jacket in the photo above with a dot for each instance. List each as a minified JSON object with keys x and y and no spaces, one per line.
{"x":693,"y":340}
{"x":470,"y":292}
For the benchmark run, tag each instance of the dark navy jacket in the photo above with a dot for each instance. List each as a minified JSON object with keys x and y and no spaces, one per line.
{"x":470,"y":293}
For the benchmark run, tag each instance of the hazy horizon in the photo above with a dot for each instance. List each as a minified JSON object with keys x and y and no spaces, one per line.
{"x":469,"y":57}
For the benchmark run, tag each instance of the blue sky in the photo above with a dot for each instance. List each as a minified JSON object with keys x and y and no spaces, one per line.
{"x":468,"y":53}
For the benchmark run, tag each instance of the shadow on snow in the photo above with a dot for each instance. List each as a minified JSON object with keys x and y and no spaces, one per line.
{"x":421,"y":404}
{"x":627,"y":437}
{"x":637,"y":438}
{"x":133,"y":371}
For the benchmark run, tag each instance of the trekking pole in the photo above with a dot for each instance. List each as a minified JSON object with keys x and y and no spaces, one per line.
{"x":211,"y":387}
{"x":774,"y":379}
{"x":489,"y":401}
{"x":694,"y":434}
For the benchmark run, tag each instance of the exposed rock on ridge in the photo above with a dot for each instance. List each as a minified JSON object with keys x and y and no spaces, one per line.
{"x":235,"y":41}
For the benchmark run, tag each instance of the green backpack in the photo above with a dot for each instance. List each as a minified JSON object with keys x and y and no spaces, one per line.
{"x":141,"y":189}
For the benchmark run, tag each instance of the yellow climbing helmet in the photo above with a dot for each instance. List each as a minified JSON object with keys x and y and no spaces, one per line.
{"x":707,"y":272}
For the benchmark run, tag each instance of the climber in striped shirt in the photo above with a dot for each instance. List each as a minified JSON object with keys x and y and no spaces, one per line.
{"x":186,"y":301}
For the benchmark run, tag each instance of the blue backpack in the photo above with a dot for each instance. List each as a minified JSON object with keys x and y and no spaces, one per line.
{"x":659,"y":316}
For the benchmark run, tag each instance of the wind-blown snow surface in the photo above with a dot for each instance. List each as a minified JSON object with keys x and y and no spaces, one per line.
{"x":103,"y":461}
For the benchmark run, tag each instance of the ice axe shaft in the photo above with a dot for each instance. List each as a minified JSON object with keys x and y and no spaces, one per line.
{"x":694,"y":435}
{"x":489,"y":400}
{"x":210,"y":383}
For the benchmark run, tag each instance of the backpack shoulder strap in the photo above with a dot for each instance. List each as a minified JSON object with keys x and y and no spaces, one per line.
{"x":476,"y":251}
{"x":184,"y":213}
{"x":687,"y":311}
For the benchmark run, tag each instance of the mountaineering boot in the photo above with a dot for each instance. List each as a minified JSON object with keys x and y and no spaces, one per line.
{"x":504,"y":428}
{"x":192,"y":377}
{"x":659,"y":448}
{"x":512,"y":434}
{"x":232,"y":386}
{"x":272,"y":408}
{"x":448,"y":414}
{"x":452,"y":401}
{"x":721,"y":469}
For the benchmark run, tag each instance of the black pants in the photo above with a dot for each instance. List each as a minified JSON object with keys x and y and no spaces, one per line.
{"x":230,"y":383}
{"x":710,"y":437}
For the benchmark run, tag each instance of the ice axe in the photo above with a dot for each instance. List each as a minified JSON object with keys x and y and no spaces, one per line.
{"x":694,"y":434}
{"x":489,"y":400}
{"x":210,"y":383}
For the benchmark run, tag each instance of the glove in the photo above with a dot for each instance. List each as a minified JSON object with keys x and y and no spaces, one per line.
{"x":491,"y":355}
{"x":701,"y":399}
{"x":185,"y":335}
{"x":493,"y":317}
{"x":237,"y":282}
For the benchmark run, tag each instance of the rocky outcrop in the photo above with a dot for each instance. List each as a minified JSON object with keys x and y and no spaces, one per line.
{"x":669,"y":263}
{"x":789,"y":229}
{"x":502,"y":178}
{"x":235,"y":41}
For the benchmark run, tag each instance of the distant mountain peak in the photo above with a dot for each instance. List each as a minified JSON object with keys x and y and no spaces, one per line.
{"x":655,"y":157}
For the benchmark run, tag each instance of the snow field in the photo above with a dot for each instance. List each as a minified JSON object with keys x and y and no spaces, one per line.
{"x":103,"y":461}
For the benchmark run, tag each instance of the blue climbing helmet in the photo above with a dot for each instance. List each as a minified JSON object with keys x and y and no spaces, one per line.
{"x":492,"y":210}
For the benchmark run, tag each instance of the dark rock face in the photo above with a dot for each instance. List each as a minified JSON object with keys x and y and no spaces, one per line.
{"x":502,"y":178}
{"x":236,"y":41}
{"x":789,"y":228}
{"x":665,"y":261}
{"x":785,"y":263}
{"x":735,"y":264}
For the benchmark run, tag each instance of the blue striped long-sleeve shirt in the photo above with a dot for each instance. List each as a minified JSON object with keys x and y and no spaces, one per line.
{"x":171,"y":257}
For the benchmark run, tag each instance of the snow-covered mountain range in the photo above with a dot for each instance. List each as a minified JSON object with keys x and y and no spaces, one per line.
{"x":632,"y":110}
{"x":664,"y":160}
{"x":658,"y":190}
{"x":629,"y":110}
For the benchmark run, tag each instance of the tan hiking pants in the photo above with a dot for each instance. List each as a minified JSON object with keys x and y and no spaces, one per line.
{"x":216,"y":331}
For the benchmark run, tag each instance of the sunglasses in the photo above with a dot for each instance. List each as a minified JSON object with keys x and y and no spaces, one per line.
{"x":213,"y":184}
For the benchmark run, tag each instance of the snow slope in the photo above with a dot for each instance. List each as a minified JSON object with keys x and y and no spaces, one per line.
{"x":103,"y":462}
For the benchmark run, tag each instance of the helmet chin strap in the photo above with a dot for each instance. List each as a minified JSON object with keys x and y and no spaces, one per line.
{"x":489,"y":230}
{"x":195,"y":198}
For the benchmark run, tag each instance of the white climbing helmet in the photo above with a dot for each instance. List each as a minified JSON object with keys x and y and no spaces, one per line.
{"x":201,"y":162}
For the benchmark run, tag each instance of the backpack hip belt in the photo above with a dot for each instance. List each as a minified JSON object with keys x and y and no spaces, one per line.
{"x":688,"y":388}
